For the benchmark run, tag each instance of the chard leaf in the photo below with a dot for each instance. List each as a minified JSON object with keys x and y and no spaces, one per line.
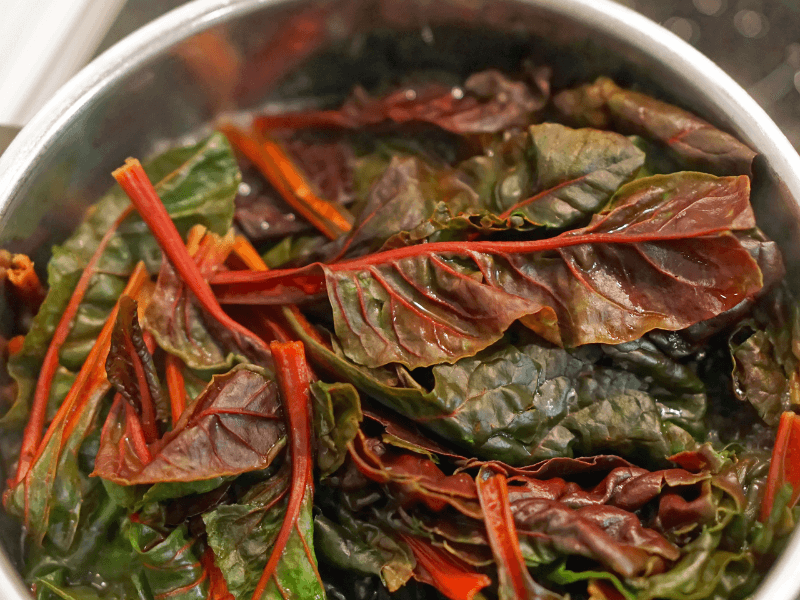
{"x":766,"y":356}
{"x":127,"y":356}
{"x":171,"y":563}
{"x":528,"y":401}
{"x":490,"y":102}
{"x":701,"y":570}
{"x":235,"y":426}
{"x":696,"y":143}
{"x":425,"y":306}
{"x":196,"y":183}
{"x":552,"y":176}
{"x":177,"y":321}
{"x":242,"y":536}
{"x":659,"y":256}
{"x":577,"y":170}
{"x":337,"y":418}
{"x":70,"y":592}
{"x":356,"y":545}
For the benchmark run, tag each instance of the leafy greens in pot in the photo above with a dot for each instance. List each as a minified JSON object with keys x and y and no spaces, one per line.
{"x":527,"y":366}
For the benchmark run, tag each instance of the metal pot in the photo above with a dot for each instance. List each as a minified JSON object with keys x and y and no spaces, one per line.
{"x":156,"y":85}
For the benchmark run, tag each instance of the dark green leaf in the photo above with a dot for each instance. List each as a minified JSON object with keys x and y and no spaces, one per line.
{"x":171,"y":563}
{"x":242,"y":536}
{"x":356,"y":545}
{"x":527,"y":402}
{"x":766,"y":357}
{"x":577,"y":170}
{"x":337,"y":417}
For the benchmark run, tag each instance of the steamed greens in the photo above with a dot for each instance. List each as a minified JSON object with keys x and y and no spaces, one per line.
{"x":425,"y":344}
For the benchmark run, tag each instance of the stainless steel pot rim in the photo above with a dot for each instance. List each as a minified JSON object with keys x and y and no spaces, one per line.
{"x":617,"y":21}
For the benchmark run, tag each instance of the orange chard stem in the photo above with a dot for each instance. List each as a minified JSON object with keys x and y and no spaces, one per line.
{"x":27,"y":287}
{"x":132,"y":178}
{"x":243,"y":249}
{"x":784,"y":466}
{"x":176,"y":386}
{"x":502,"y":533}
{"x":329,"y":218}
{"x":448,"y":574}
{"x":33,"y":430}
{"x":292,"y":374}
{"x":15,"y":344}
{"x":218,"y":587}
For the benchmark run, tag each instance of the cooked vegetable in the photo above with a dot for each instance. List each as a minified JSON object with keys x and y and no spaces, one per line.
{"x":529,"y":366}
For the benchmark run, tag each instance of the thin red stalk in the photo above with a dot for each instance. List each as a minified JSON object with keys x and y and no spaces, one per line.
{"x":329,"y":218}
{"x":784,"y":466}
{"x":449,"y":575}
{"x":140,"y":190}
{"x":245,"y":252}
{"x":176,"y":386}
{"x":502,"y":533}
{"x":135,"y":433}
{"x":292,"y":375}
{"x":253,"y":279}
{"x":33,"y":430}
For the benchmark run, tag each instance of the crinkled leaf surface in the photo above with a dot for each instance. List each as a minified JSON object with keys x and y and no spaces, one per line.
{"x":235,"y":426}
{"x":242,"y":536}
{"x":577,"y":170}
{"x":766,"y":357}
{"x":363,"y":547}
{"x":171,"y":563}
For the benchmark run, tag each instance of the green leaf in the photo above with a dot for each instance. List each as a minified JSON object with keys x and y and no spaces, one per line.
{"x":71,"y":592}
{"x":696,"y":143}
{"x":577,"y":170}
{"x":242,"y":535}
{"x":235,"y":426}
{"x":355,"y":545}
{"x":524,"y":402}
{"x":171,"y":563}
{"x":337,"y":418}
{"x":701,"y":570}
{"x":197,"y":185}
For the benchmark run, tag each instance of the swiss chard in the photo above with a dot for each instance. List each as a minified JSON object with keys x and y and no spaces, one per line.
{"x":634,"y":268}
{"x":235,"y":425}
{"x":197,"y":184}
